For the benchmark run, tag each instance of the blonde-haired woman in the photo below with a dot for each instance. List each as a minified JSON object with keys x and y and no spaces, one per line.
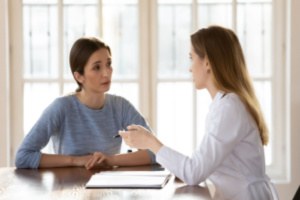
{"x":231,"y":154}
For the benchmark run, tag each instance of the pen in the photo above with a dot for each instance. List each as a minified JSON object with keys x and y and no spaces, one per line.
{"x":118,"y":135}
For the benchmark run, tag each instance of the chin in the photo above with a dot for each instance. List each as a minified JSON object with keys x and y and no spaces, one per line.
{"x":199,"y":87}
{"x":102,"y":90}
{"x":105,"y":88}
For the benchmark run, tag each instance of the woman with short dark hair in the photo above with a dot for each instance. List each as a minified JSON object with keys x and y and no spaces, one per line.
{"x":82,"y":126}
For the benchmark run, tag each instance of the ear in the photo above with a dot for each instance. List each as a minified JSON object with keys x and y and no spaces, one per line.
{"x":78,"y":77}
{"x":207,"y":66}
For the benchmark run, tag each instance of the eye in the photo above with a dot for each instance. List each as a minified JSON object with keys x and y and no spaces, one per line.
{"x":109,"y":64}
{"x":96,"y":67}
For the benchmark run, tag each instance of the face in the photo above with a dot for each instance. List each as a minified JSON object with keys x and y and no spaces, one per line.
{"x":97,"y":72}
{"x":199,"y":69}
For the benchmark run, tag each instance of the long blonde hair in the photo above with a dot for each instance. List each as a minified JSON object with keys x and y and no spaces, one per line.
{"x":224,"y":52}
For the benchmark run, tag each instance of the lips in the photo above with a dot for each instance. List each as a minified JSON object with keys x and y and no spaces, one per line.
{"x":105,"y":83}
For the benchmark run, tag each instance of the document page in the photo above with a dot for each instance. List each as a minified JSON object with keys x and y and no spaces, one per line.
{"x":129,"y":179}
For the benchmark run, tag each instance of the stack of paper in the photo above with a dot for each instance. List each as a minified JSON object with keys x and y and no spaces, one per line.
{"x":129,"y":179}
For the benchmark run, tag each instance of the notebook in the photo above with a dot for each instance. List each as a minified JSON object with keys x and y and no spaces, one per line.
{"x":129,"y":179}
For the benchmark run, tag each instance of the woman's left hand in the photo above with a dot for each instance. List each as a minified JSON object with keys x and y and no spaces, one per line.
{"x":98,"y":160}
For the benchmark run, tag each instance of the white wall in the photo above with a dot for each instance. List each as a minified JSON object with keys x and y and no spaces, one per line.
{"x":4,"y":85}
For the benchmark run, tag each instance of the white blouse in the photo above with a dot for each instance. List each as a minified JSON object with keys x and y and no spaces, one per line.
{"x":231,"y":154}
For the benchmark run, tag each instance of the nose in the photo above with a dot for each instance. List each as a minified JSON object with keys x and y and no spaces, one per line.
{"x":105,"y":72}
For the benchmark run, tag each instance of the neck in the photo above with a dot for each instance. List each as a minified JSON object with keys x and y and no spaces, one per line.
{"x":91,"y":100}
{"x":212,"y":89}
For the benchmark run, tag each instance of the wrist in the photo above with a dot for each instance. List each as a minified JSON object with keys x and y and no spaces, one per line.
{"x":78,"y":161}
{"x":71,"y":161}
{"x":155,"y":146}
{"x":74,"y":161}
{"x":111,"y":160}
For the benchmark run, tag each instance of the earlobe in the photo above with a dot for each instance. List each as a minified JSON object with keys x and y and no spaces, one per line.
{"x":208,"y":68}
{"x":78,"y":77}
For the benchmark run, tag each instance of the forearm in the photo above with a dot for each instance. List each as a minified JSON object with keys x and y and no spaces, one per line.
{"x":54,"y":160}
{"x":136,"y":158}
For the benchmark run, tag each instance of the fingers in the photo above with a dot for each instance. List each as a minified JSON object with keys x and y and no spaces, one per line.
{"x":124,"y":135}
{"x":131,"y":136}
{"x":130,"y":129}
{"x":100,"y":161}
{"x":127,"y":137}
{"x":133,"y":127}
{"x":136,"y":136}
{"x":96,"y":160}
{"x":90,"y":163}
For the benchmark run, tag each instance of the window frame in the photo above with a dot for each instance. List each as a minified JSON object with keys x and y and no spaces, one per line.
{"x":148,"y":75}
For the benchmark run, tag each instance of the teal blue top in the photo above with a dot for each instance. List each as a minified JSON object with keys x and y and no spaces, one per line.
{"x":75,"y":129}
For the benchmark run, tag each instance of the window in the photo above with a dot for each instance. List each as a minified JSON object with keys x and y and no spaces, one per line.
{"x":174,"y":109}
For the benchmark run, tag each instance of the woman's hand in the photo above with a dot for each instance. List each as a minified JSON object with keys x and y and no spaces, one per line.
{"x":98,"y":160}
{"x":140,"y":138}
{"x":80,"y":161}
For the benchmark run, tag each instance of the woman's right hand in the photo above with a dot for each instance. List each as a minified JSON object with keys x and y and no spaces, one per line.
{"x":97,"y":160}
{"x":139,"y":137}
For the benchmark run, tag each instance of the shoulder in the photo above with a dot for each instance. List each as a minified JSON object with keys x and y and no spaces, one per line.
{"x":116,"y":100}
{"x":121,"y":105}
{"x":228,"y":108}
{"x":64,"y":100}
{"x":230,"y":102}
{"x":229,"y":118}
{"x":62,"y":103}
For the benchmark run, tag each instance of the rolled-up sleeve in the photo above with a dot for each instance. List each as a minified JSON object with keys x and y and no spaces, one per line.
{"x":29,"y":152}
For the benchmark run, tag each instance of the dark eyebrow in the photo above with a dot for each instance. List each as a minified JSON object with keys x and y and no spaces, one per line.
{"x":97,"y":62}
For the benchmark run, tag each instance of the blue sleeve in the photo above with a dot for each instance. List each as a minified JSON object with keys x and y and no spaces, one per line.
{"x":29,"y":153}
{"x":132,"y":116}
